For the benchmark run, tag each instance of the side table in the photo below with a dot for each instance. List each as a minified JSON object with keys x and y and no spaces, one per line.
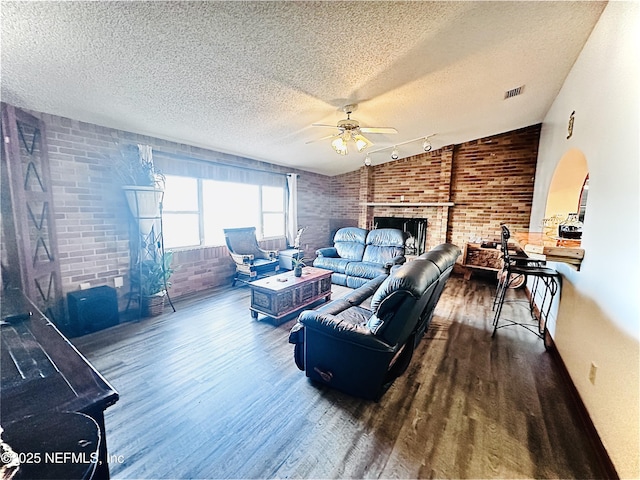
{"x":477,"y":257}
{"x":286,"y":257}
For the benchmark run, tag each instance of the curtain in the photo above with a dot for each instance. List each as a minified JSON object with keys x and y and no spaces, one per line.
{"x":292,"y":208}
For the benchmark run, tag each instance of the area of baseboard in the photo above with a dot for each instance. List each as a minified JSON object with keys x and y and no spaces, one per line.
{"x":585,"y":418}
{"x":579,"y":406}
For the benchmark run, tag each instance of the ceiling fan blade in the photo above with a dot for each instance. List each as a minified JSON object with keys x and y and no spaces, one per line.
{"x":322,"y":125}
{"x":378,"y":130}
{"x":323,"y":138}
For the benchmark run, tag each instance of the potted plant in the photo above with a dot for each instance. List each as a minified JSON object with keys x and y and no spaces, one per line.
{"x":298,"y":264}
{"x":143,"y":185}
{"x":136,"y":167}
{"x":153,"y":277}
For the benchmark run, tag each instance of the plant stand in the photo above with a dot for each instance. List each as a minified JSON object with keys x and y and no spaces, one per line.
{"x":145,"y":204}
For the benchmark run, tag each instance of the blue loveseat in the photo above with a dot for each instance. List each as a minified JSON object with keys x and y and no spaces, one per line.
{"x":359,"y":255}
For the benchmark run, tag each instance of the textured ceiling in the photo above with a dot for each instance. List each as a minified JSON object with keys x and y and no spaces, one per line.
{"x":249,"y":78}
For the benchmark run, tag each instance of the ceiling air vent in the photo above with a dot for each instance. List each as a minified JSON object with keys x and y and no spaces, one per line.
{"x":514,"y":92}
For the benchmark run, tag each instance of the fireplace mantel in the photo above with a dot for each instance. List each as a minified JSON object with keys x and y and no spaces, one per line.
{"x":408,"y":204}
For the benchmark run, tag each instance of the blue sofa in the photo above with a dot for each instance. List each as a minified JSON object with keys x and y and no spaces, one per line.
{"x":359,"y":255}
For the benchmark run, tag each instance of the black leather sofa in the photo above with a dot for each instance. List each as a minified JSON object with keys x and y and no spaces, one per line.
{"x":444,"y":257}
{"x":359,"y":255}
{"x":361,"y":343}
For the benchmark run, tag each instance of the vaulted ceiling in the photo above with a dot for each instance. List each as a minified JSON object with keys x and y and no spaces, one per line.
{"x":249,"y":78}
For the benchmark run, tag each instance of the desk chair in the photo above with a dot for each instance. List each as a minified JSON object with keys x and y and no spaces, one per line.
{"x":514,"y":268}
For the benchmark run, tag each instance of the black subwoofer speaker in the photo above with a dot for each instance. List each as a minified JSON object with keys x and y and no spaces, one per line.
{"x":92,"y":309}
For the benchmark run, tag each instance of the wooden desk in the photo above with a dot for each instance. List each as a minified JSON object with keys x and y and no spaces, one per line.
{"x":555,"y":250}
{"x":42,"y":373}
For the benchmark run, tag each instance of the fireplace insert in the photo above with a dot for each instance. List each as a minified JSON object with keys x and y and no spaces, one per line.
{"x":415,"y":231}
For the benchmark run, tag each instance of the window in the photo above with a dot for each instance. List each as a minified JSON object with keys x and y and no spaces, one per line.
{"x":181,"y":212}
{"x":272,"y":211}
{"x":229,"y":205}
{"x":197,"y":210}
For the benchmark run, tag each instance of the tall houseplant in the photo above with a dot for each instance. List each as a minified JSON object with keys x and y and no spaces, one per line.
{"x":152,"y":279}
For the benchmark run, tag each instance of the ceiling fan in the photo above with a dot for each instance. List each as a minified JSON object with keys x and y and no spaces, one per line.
{"x":350,"y":129}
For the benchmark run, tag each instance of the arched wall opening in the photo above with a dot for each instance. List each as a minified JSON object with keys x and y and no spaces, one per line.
{"x":568,"y":183}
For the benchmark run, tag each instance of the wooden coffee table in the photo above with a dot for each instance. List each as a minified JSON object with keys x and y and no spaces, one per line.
{"x":280,"y":295}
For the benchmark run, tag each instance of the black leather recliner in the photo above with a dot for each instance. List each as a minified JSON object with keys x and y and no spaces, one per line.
{"x":359,"y":255}
{"x":361,"y":343}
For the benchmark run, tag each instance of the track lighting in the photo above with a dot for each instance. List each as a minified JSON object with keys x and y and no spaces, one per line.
{"x":367,"y":161}
{"x":395,"y":153}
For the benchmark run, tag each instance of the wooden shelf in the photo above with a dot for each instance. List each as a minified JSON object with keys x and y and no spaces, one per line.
{"x":408,"y":204}
{"x":554,"y":249}
{"x":476,"y":257}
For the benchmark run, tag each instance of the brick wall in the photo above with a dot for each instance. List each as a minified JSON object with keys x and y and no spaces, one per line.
{"x":492,"y":182}
{"x":344,"y":210}
{"x":314,"y":212}
{"x":94,"y":224}
{"x":489,"y":180}
{"x":90,"y":210}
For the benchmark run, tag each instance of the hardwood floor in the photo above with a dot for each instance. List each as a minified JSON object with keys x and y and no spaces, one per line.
{"x":208,"y":392}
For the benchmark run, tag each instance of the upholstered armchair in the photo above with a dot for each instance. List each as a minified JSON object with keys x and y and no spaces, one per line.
{"x":252,"y":262}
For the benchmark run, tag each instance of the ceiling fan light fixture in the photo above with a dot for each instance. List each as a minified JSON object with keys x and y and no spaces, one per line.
{"x":361,"y":142}
{"x":340,"y":146}
{"x":394,"y":154}
{"x":349,"y":129}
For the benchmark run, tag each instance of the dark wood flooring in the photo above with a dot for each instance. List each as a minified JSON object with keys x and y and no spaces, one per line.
{"x":208,"y":392}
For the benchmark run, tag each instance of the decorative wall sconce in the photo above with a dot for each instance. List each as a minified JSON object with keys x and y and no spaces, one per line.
{"x":570,"y":127}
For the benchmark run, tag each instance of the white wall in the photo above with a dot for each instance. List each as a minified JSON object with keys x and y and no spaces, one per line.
{"x":599,"y":316}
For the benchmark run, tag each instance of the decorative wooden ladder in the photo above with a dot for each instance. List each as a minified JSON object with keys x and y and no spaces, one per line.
{"x":29,"y":230}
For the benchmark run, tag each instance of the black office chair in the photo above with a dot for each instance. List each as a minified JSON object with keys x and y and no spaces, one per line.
{"x":515,"y":268}
{"x":251,"y":261}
